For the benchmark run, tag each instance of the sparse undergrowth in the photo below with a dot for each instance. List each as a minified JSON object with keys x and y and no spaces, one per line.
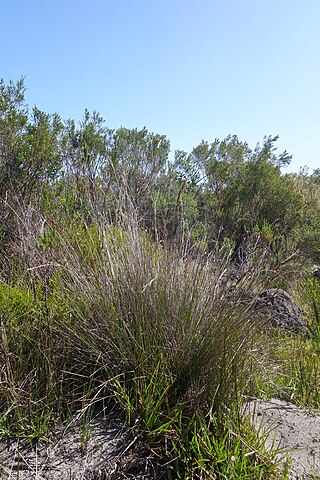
{"x":294,"y":362}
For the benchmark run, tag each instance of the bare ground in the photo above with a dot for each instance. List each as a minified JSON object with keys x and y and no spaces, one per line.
{"x":295,"y":430}
{"x":103,"y":449}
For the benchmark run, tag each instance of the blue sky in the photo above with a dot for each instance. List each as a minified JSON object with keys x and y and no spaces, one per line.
{"x":189,"y":69}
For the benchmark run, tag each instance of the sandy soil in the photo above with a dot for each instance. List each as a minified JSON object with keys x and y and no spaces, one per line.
{"x":296,"y":430}
{"x":104,"y":449}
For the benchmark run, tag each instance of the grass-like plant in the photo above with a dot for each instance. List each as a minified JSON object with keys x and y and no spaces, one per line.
{"x":152,"y":329}
{"x":108,"y":314}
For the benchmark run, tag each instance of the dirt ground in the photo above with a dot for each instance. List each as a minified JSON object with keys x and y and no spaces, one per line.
{"x":296,"y":430}
{"x":103,"y":449}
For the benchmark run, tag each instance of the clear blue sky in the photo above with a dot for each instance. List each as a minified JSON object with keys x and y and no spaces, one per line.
{"x":189,"y":69}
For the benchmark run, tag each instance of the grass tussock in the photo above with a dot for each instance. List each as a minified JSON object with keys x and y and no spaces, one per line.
{"x":101,"y":313}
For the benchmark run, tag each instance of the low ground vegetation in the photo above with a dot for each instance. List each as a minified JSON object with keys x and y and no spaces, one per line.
{"x":123,"y":285}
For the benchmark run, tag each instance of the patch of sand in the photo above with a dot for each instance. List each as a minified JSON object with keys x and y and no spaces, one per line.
{"x":296,"y":430}
{"x":102,"y":449}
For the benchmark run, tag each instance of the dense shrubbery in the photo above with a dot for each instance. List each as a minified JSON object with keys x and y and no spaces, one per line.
{"x":220,"y":192}
{"x":112,"y":283}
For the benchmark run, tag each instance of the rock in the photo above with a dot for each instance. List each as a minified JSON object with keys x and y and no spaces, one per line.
{"x":316,"y":271}
{"x":276,"y":307}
